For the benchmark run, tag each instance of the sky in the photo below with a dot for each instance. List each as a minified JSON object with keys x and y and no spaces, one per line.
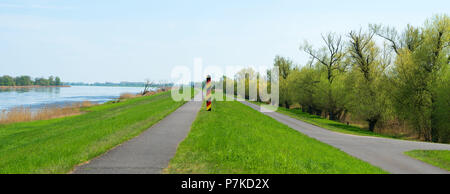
{"x":130,"y":40}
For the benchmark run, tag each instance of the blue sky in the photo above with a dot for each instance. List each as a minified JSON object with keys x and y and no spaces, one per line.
{"x":99,"y":40}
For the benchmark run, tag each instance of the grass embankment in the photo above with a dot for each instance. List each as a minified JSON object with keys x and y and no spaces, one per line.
{"x":234,"y":138}
{"x":57,"y":145}
{"x":439,"y":158}
{"x":328,"y":124}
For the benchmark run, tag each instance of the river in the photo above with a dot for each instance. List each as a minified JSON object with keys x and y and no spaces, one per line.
{"x":38,"y":97}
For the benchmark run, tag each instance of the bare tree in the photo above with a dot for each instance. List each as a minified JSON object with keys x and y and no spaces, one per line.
{"x":330,"y":55}
{"x":147,"y":86}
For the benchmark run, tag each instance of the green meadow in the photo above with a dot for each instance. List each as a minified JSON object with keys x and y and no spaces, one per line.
{"x":330,"y":124}
{"x":234,"y":138}
{"x":439,"y":158}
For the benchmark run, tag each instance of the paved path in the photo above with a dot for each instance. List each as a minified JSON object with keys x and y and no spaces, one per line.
{"x":151,"y":151}
{"x":382,"y":152}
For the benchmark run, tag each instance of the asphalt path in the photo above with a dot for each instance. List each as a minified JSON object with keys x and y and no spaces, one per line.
{"x":151,"y":151}
{"x":385,"y":153}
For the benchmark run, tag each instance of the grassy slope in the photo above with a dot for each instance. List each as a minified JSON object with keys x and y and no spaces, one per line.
{"x":57,"y":145}
{"x":234,"y":138}
{"x":328,"y":124}
{"x":439,"y":158}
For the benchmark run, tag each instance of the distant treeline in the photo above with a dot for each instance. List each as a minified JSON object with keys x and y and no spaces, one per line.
{"x":25,"y":80}
{"x":120,"y":84}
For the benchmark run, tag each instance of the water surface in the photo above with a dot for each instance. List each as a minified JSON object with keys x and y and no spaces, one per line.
{"x":38,"y":97}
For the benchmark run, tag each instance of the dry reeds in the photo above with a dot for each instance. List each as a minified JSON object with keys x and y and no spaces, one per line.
{"x":23,"y":114}
{"x":128,"y":96}
{"x":125,"y":96}
{"x":162,"y":89}
{"x":146,"y":92}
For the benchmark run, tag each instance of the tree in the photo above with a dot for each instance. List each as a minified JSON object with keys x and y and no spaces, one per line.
{"x":42,"y":82}
{"x":23,"y":81}
{"x":284,"y":66}
{"x":7,"y":80}
{"x":247,"y":77}
{"x":51,"y":81}
{"x":330,"y":56}
{"x":369,"y":100}
{"x":147,"y":86}
{"x":410,"y":39}
{"x":421,"y":65}
{"x":284,"y":69}
{"x":442,"y":110}
{"x":304,"y":90}
{"x":57,"y":81}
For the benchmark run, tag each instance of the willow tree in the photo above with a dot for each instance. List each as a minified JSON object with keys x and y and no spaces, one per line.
{"x":304,"y":89}
{"x":369,"y":95}
{"x":421,"y":68}
{"x":330,"y":57}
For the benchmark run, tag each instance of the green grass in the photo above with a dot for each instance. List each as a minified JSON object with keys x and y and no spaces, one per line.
{"x":328,"y":124}
{"x":57,"y":145}
{"x":234,"y":138}
{"x":439,"y":158}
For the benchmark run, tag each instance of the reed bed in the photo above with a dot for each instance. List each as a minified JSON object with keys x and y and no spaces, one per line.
{"x":128,"y":96}
{"x":25,"y":114}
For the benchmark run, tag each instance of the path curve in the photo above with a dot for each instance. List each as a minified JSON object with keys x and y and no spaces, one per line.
{"x":151,"y":151}
{"x":385,"y":153}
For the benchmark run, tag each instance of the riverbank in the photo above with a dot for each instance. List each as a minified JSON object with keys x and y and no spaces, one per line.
{"x":33,"y":86}
{"x":57,"y":145}
{"x":58,"y":110}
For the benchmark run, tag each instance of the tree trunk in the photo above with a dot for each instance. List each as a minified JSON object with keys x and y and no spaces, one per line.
{"x":286,"y":104}
{"x":310,"y":110}
{"x":434,"y":133}
{"x":344,"y":115}
{"x":331,"y":115}
{"x":304,"y":109}
{"x":427,"y":135}
{"x":372,"y":123}
{"x":318,"y":112}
